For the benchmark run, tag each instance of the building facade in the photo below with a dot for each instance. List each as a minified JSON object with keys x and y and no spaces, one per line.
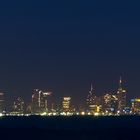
{"x":93,"y":102}
{"x":66,"y":104}
{"x":109,"y":104}
{"x":135,"y":106}
{"x":18,"y":106}
{"x":121,"y":95}
{"x":2,"y":105}
{"x":39,"y":101}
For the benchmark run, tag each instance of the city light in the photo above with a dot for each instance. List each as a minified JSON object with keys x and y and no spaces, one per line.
{"x":1,"y":114}
{"x":47,"y":93}
{"x":82,"y":113}
{"x":43,"y":114}
{"x":108,"y":104}
{"x":89,"y":113}
{"x":96,"y":114}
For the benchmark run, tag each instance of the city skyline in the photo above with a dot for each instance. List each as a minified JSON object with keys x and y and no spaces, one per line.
{"x":91,"y":89}
{"x":58,"y":97}
{"x":42,"y":103}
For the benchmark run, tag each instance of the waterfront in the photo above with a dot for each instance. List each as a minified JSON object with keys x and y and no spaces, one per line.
{"x":81,"y":123}
{"x":74,"y":127}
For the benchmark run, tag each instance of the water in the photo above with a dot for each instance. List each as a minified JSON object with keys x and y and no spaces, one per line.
{"x":79,"y":128}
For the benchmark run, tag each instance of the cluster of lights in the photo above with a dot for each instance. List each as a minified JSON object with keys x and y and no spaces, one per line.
{"x":97,"y":106}
{"x":83,"y":113}
{"x":54,"y":114}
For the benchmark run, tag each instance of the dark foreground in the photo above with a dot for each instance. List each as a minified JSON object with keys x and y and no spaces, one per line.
{"x":69,"y":128}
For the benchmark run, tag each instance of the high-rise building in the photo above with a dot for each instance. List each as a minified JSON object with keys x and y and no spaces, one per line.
{"x":91,"y":98}
{"x":66,"y":104}
{"x":18,"y":106}
{"x":93,"y":102}
{"x":2,"y":108}
{"x":109,"y":104}
{"x":39,"y":101}
{"x":121,"y":94}
{"x":135,"y":106}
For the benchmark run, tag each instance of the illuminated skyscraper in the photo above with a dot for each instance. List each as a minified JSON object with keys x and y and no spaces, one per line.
{"x":109,"y":104}
{"x":39,"y":101}
{"x":2,"y":102}
{"x":135,"y":106}
{"x":91,"y":98}
{"x":66,"y":104}
{"x":121,"y":94}
{"x":18,"y":106}
{"x":92,"y":101}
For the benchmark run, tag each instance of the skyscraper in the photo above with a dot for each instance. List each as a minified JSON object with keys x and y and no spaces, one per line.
{"x":121,"y":94}
{"x":66,"y":104}
{"x":91,"y":98}
{"x":135,"y":106}
{"x":18,"y":106}
{"x":1,"y":102}
{"x":109,"y":104}
{"x":92,"y":101}
{"x":39,"y":101}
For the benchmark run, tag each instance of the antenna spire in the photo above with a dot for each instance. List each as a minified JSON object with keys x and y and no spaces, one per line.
{"x":91,"y":87}
{"x":120,"y":82}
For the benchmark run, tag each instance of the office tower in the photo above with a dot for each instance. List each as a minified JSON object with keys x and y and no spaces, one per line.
{"x":91,"y":98}
{"x":121,"y":94}
{"x":109,"y":104}
{"x":39,"y":101}
{"x":18,"y":106}
{"x":2,"y":108}
{"x":93,"y":102}
{"x":135,"y":106}
{"x":66,"y":104}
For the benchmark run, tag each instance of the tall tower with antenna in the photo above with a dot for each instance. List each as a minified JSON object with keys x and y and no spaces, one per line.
{"x":121,"y":94}
{"x":91,"y":95}
{"x":91,"y":99}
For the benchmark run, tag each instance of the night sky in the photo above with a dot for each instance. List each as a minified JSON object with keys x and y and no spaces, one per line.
{"x":63,"y":46}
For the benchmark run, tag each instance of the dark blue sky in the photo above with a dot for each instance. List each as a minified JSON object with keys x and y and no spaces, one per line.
{"x":64,"y":46}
